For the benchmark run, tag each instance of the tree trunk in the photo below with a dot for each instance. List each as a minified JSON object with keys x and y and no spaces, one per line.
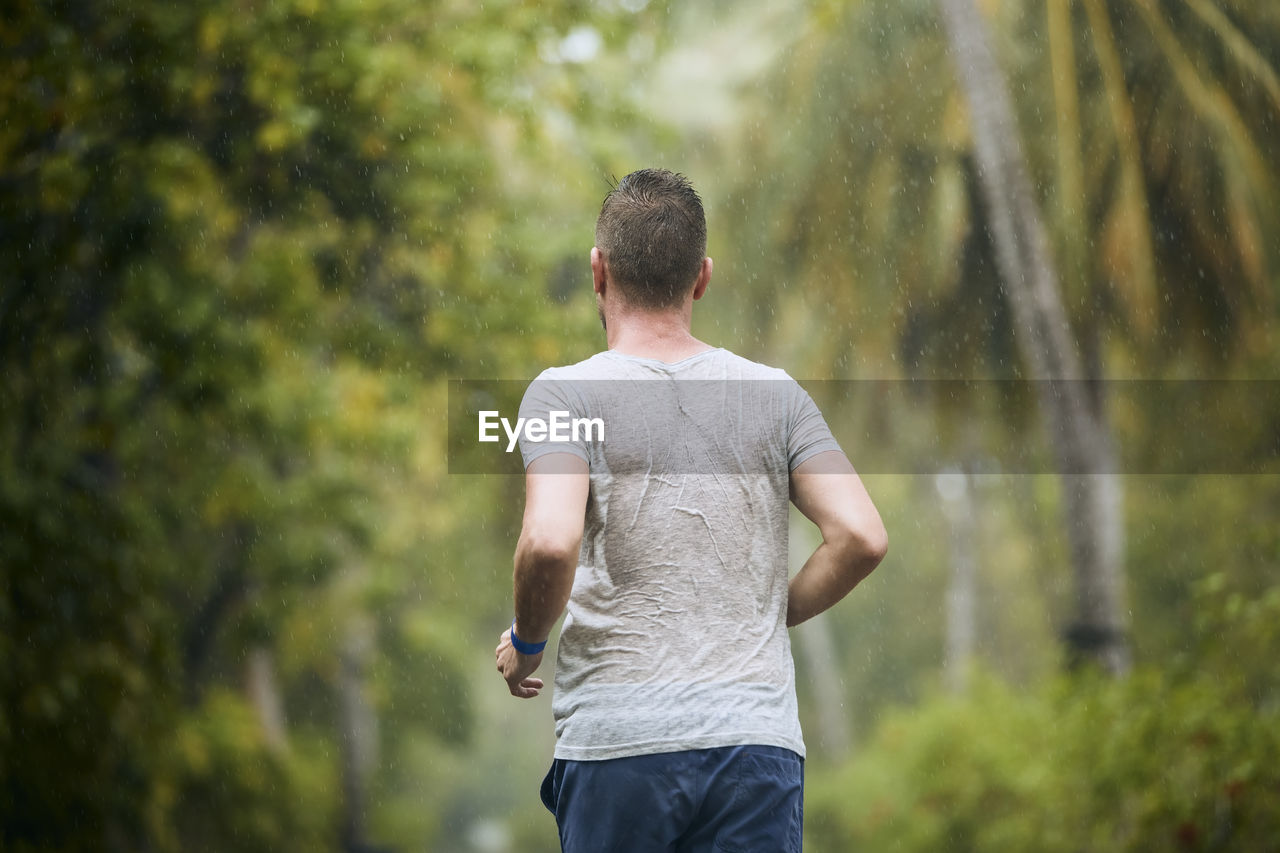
{"x":227,"y":593}
{"x":1081,"y":444}
{"x":359,"y":734}
{"x":263,"y":690}
{"x":955,"y":489}
{"x":826,"y":676}
{"x":817,"y":650}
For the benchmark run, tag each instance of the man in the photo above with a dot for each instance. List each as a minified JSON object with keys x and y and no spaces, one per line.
{"x":675,"y":708}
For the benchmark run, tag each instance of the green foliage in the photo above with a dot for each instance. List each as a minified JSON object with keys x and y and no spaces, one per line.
{"x":1236,"y":541}
{"x":84,"y":669}
{"x":224,"y":789}
{"x":1182,"y":759}
{"x":245,"y":241}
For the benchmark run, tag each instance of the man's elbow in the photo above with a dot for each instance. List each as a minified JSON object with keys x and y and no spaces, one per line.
{"x":863,"y":545}
{"x":877,"y":543}
{"x":548,"y":549}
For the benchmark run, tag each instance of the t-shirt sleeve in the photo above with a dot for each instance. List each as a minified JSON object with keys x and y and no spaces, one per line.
{"x":809,"y":434}
{"x":553,"y":402}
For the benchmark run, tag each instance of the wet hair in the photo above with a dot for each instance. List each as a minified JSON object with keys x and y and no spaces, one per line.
{"x":653,"y":234}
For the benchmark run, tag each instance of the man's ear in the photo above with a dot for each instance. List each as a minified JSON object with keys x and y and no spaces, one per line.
{"x":598,"y":271}
{"x":704,"y":279}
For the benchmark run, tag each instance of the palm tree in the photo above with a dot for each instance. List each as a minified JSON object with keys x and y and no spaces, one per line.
{"x":1158,"y":169}
{"x":1080,"y":439}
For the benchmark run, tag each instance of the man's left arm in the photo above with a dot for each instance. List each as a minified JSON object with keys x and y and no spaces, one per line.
{"x":546,"y":559}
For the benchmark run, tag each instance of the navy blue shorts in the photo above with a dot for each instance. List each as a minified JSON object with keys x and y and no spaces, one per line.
{"x":735,"y":799}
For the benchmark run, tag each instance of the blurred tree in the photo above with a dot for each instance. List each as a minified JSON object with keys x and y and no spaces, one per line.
{"x":1081,"y":440}
{"x":861,"y":208}
{"x":242,"y":241}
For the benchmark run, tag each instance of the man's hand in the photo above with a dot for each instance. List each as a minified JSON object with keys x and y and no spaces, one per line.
{"x":516,"y":668}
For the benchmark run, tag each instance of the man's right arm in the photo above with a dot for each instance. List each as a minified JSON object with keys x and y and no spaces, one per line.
{"x":556,"y":487}
{"x":827,"y":490}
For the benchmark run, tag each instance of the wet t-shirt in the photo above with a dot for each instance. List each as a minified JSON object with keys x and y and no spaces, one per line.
{"x":675,"y":636}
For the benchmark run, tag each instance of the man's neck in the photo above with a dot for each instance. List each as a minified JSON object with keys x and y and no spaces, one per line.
{"x":662,"y":336}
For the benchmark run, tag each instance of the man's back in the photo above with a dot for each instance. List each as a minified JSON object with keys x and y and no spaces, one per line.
{"x":676,"y":636}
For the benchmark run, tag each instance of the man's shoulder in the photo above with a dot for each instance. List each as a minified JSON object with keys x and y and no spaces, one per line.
{"x":749,"y":369}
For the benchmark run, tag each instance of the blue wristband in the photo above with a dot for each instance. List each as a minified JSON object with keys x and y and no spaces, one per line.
{"x":521,"y":646}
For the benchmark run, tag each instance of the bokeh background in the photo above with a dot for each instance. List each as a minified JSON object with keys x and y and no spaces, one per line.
{"x":244,"y":245}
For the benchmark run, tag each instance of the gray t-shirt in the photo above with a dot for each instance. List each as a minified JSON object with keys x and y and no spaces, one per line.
{"x":675,"y":636}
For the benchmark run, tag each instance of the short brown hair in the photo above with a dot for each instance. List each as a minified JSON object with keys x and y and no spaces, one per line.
{"x":653,"y":234}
